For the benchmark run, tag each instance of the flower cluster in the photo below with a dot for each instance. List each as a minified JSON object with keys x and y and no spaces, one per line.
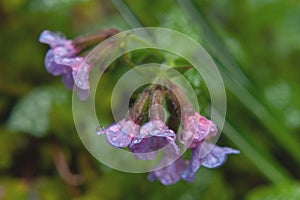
{"x":143,"y":136}
{"x":145,"y":139}
{"x":63,"y":59}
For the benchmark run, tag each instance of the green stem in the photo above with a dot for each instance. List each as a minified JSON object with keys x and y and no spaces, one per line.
{"x":87,"y":40}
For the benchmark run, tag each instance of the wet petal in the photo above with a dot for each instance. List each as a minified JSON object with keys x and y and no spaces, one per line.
{"x":193,"y":166}
{"x":74,"y":62}
{"x":121,"y":133}
{"x":169,"y":174}
{"x":81,"y":76}
{"x":62,"y":59}
{"x":156,"y":128}
{"x":217,"y":156}
{"x":51,"y":38}
{"x":196,"y":128}
{"x":156,"y":136}
{"x":207,"y":155}
{"x":117,"y":138}
{"x":53,"y":67}
{"x":144,"y":149}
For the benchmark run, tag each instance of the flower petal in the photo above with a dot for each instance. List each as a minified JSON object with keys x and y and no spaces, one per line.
{"x":217,"y":156}
{"x":121,"y":133}
{"x":196,"y":128}
{"x":73,"y":62}
{"x":193,"y":166}
{"x":156,"y":128}
{"x":156,"y":136}
{"x":53,"y":67}
{"x":67,"y":79}
{"x":51,"y":38}
{"x":81,"y":76}
{"x":144,"y":149}
{"x":207,"y":155}
{"x":169,"y":174}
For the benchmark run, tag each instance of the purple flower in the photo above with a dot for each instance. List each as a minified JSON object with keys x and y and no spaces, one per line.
{"x":62,"y":60}
{"x":154,"y":135}
{"x":122,"y":133}
{"x":169,"y":174}
{"x":145,"y":140}
{"x":207,"y":155}
{"x":186,"y":169}
{"x":195,"y":129}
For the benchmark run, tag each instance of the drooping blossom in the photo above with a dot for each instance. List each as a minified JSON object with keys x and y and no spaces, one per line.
{"x":186,"y":169}
{"x":121,"y":133}
{"x":207,"y":155}
{"x":62,"y":60}
{"x":146,"y":140}
{"x":196,"y":129}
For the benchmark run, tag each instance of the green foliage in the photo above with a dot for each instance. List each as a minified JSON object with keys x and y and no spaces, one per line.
{"x":9,"y":144}
{"x":279,"y":192}
{"x":175,"y":20}
{"x":31,"y":114}
{"x":46,"y":188}
{"x":11,"y":188}
{"x":256,"y":45}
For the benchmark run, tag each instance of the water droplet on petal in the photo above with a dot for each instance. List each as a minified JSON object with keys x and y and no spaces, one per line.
{"x":196,"y":136}
{"x":79,"y":83}
{"x":203,"y":121}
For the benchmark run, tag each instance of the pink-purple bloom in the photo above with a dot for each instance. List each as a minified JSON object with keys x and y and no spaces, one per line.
{"x":62,"y":60}
{"x":146,"y":140}
{"x":196,"y":129}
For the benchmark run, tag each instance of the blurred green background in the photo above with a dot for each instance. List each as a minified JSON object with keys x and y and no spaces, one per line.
{"x":256,"y":45}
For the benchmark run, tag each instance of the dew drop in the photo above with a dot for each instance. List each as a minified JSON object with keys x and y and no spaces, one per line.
{"x":100,"y":130}
{"x":196,"y":136}
{"x":203,"y":121}
{"x":79,"y":83}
